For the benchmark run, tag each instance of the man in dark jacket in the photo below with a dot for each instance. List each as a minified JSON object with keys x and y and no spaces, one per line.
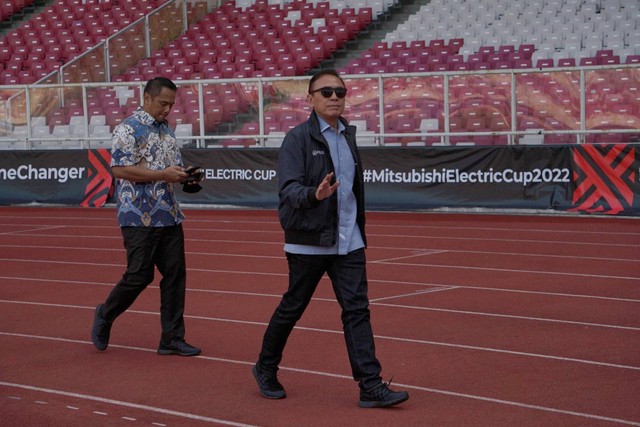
{"x":322,"y":214}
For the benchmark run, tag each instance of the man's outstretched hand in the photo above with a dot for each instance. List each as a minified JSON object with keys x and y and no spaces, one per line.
{"x":325,"y":189}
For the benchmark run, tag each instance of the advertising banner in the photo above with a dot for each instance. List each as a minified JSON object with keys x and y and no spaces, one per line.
{"x":76,"y":177}
{"x":606,"y":179}
{"x":588,"y":178}
{"x":235,"y":177}
{"x":495,"y":177}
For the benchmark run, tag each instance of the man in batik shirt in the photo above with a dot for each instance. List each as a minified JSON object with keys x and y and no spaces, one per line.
{"x":147,"y":164}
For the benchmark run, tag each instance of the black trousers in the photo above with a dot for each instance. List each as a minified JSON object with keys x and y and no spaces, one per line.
{"x":349,"y":280}
{"x":149,"y":247}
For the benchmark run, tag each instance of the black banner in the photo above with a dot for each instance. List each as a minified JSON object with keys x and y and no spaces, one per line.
{"x":588,"y":178}
{"x":494,"y":177}
{"x":240,"y":177}
{"x":56,"y":177}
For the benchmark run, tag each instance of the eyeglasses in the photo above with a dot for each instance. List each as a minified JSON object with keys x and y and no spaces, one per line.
{"x":327,"y":91}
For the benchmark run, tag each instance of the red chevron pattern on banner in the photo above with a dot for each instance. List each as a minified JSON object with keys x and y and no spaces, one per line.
{"x":604,"y":177}
{"x":100,"y":179}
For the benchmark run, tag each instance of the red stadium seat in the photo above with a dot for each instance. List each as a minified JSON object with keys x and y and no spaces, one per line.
{"x":459,"y":66}
{"x":604,"y":53}
{"x":486,"y":50}
{"x":454,"y":45}
{"x":440,"y":67}
{"x":527,"y":50}
{"x":632,"y":59}
{"x":566,"y":62}
{"x":481,"y":66}
{"x":588,"y":61}
{"x":608,"y":60}
{"x":544,"y":63}
{"x":522,"y":63}
{"x":501,"y":65}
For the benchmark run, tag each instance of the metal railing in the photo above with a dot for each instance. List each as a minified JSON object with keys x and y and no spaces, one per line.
{"x":110,"y":57}
{"x":498,"y":107}
{"x":568,"y":105}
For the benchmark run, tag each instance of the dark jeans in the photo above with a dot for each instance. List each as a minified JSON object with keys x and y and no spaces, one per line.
{"x":349,"y":279}
{"x":162,"y":247}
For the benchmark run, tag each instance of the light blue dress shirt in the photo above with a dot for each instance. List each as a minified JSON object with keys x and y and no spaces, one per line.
{"x":349,"y":237}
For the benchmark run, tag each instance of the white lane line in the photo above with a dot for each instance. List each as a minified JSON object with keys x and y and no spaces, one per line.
{"x":13,"y":233}
{"x":374,"y":222}
{"x":414,"y":254}
{"x":371,"y":248}
{"x":420,"y":292}
{"x":507,"y":316}
{"x":278,"y":232}
{"x":377,"y":304}
{"x":320,"y":373}
{"x":508,"y":254}
{"x":525,"y":405}
{"x":483,"y":398}
{"x":485,"y":239}
{"x":508,"y":270}
{"x":384,"y":282}
{"x":339,"y":332}
{"x":460,"y":267}
{"x":125,"y":404}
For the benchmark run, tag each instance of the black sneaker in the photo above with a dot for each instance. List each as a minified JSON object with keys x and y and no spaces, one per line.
{"x":381,"y":396}
{"x":268,"y":384}
{"x":100,"y":330}
{"x":179,"y":347}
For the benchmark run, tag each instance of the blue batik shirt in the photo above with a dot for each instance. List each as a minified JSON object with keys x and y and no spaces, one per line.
{"x":140,"y":140}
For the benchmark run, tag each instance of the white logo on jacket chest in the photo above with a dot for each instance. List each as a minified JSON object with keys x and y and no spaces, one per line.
{"x":317,"y":152}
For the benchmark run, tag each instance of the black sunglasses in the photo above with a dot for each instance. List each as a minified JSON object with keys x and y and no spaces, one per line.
{"x":327,"y":91}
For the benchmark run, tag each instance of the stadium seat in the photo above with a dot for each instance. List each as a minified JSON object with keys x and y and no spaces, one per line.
{"x":608,"y":60}
{"x":430,"y":125}
{"x":182,"y":132}
{"x":566,"y":62}
{"x":544,"y":63}
{"x":534,"y":138}
{"x":522,"y":63}
{"x":632,"y":59}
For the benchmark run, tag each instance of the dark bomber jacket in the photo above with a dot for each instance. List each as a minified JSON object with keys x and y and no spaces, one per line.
{"x":304,"y":160}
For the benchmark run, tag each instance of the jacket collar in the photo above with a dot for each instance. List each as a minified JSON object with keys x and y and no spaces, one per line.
{"x":314,"y":124}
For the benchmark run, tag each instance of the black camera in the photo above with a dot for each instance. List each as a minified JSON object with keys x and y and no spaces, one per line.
{"x":194,"y":175}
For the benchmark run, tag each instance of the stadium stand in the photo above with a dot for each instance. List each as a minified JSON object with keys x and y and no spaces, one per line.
{"x":61,"y":32}
{"x":267,"y":38}
{"x":558,"y":29}
{"x":13,"y":10}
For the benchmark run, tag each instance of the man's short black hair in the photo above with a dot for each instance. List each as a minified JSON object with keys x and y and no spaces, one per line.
{"x":155,"y":85}
{"x":328,"y":72}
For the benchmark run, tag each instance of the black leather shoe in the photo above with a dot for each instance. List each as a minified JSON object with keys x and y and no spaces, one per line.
{"x":179,"y":347}
{"x":381,"y":396}
{"x":100,"y":330}
{"x":268,"y":384}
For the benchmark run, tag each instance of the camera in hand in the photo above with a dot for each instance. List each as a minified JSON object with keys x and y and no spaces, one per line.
{"x":194,"y":176}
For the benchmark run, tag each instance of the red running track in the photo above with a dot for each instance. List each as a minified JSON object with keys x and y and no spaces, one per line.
{"x":487,"y":320}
